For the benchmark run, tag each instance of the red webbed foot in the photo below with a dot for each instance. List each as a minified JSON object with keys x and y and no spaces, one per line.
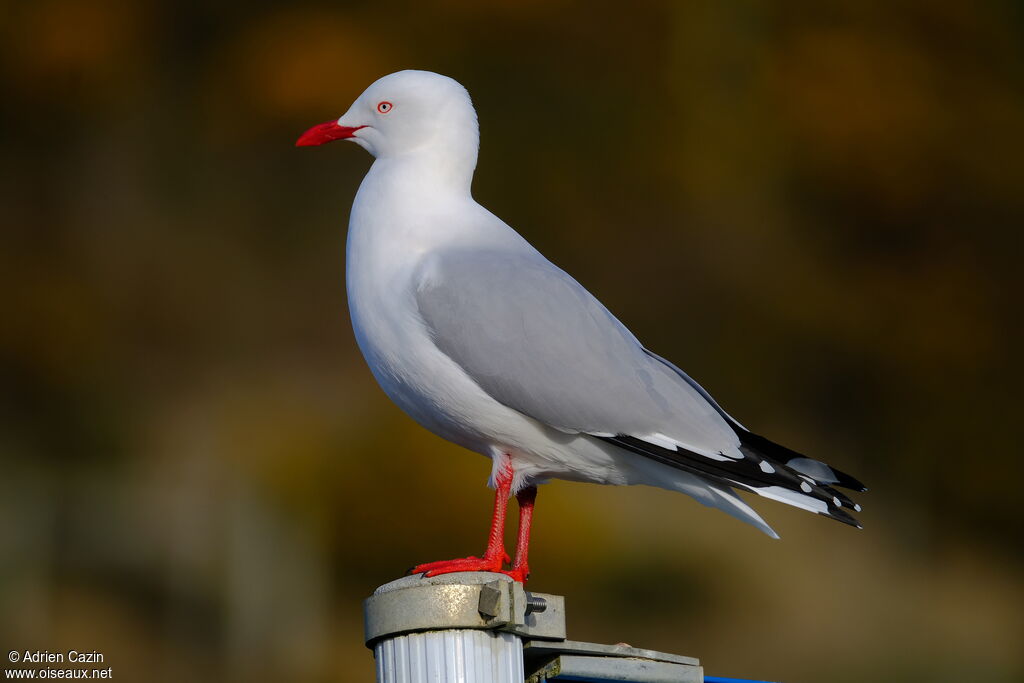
{"x":472,"y":564}
{"x":463,"y":564}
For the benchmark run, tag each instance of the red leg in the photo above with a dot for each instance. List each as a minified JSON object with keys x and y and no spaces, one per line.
{"x":494,"y":557}
{"x":521,"y":567}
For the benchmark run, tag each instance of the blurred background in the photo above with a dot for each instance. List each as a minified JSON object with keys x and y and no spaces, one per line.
{"x":814,"y":208}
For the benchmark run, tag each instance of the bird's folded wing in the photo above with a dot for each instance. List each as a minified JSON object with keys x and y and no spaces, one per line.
{"x":538,"y":342}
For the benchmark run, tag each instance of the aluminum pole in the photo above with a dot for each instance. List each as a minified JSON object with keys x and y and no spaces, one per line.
{"x":466,"y":627}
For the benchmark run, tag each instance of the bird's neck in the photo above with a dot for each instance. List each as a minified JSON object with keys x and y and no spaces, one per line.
{"x":431,"y":168}
{"x":407,"y":204}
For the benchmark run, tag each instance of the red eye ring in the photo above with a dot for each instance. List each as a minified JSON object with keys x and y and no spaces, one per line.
{"x":385,"y":107}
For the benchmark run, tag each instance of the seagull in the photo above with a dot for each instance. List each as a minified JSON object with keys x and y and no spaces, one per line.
{"x":482,"y":340}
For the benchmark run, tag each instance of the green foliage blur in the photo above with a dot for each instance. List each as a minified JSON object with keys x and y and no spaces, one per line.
{"x":813,"y":207}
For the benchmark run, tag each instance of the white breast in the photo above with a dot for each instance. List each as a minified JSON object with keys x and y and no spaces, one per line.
{"x":394,"y":225}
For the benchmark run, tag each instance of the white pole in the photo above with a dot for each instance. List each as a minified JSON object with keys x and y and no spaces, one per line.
{"x":464,"y":627}
{"x":464,"y":655}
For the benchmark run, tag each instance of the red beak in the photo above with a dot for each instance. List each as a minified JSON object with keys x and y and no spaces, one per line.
{"x":326,"y":132}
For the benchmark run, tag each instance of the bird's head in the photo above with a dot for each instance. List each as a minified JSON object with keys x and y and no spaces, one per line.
{"x":405,"y":113}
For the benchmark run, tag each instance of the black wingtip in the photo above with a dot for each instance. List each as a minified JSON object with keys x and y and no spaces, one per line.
{"x":769,"y":448}
{"x":841,"y":515}
{"x":847,"y":482}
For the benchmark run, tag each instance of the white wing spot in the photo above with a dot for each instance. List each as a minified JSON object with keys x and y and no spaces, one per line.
{"x":837,"y":502}
{"x":766,"y":467}
{"x":856,"y":507}
{"x":805,"y":487}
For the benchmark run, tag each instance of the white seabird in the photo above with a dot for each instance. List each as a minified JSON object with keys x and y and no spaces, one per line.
{"x":483,"y":341}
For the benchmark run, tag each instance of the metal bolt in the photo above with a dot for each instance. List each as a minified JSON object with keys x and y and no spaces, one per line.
{"x":535,"y":604}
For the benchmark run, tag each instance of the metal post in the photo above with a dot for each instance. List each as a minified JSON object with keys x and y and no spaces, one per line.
{"x":465,"y":627}
{"x":478,"y":627}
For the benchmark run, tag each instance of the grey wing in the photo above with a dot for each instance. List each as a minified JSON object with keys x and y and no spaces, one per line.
{"x":538,"y":342}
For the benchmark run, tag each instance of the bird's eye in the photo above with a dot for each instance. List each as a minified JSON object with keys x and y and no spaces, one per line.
{"x":384,"y":107}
